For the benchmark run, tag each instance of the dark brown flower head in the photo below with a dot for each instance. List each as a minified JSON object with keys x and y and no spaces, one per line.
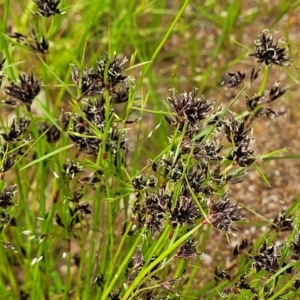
{"x":115,"y":295}
{"x":7,"y":195}
{"x":282,"y":221}
{"x":243,"y":154}
{"x":224,"y":213}
{"x":185,"y":212}
{"x":78,"y":213}
{"x":187,"y":250}
{"x":160,"y":202}
{"x":106,"y":76}
{"x":267,"y":51}
{"x":116,"y":141}
{"x":142,"y":182}
{"x":139,"y":210}
{"x":114,"y":67}
{"x":276,"y":91}
{"x":233,"y":79}
{"x":235,"y":130}
{"x":297,"y":283}
{"x":79,"y":128}
{"x":154,"y":221}
{"x":82,"y":134}
{"x":267,"y":259}
{"x":8,"y":160}
{"x":90,"y":85}
{"x":254,"y":102}
{"x":33,"y":43}
{"x":53,"y":134}
{"x":48,"y":8}
{"x":196,"y":177}
{"x":27,"y":90}
{"x":16,"y":129}
{"x":8,"y":245}
{"x":99,"y":280}
{"x":169,"y":285}
{"x":59,"y":221}
{"x":6,"y":219}
{"x":295,"y":248}
{"x":77,"y":196}
{"x":189,"y":108}
{"x":82,"y":209}
{"x":173,"y":169}
{"x":95,"y":110}
{"x":41,"y":46}
{"x":90,"y":180}
{"x":152,"y":212}
{"x":202,"y":150}
{"x":71,"y":169}
{"x":121,"y":95}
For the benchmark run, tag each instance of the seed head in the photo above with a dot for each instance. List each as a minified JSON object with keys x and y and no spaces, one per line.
{"x":254,"y":102}
{"x":234,"y":79}
{"x":47,"y":8}
{"x":282,"y":221}
{"x":235,"y":130}
{"x":34,"y":44}
{"x":106,"y":76}
{"x":142,"y":182}
{"x":189,"y":109}
{"x":267,"y":51}
{"x":267,"y":259}
{"x":187,"y":250}
{"x":16,"y":129}
{"x":243,"y":154}
{"x":7,"y":195}
{"x":185,"y":212}
{"x":8,"y":160}
{"x":224,"y":213}
{"x":71,"y":168}
{"x":27,"y":90}
{"x":276,"y":91}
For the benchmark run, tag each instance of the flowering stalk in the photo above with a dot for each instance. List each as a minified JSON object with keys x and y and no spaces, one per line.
{"x":264,"y":80}
{"x":122,"y":267}
{"x":143,"y":273}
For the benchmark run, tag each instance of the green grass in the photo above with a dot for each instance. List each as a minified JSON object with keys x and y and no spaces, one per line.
{"x":61,"y":249}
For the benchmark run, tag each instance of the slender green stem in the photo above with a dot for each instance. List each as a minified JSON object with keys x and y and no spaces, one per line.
{"x":161,"y":257}
{"x":166,"y":36}
{"x":122,"y":266}
{"x":264,"y":80}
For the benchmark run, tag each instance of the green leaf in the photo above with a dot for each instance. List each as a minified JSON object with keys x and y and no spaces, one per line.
{"x":47,"y":156}
{"x":261,"y":174}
